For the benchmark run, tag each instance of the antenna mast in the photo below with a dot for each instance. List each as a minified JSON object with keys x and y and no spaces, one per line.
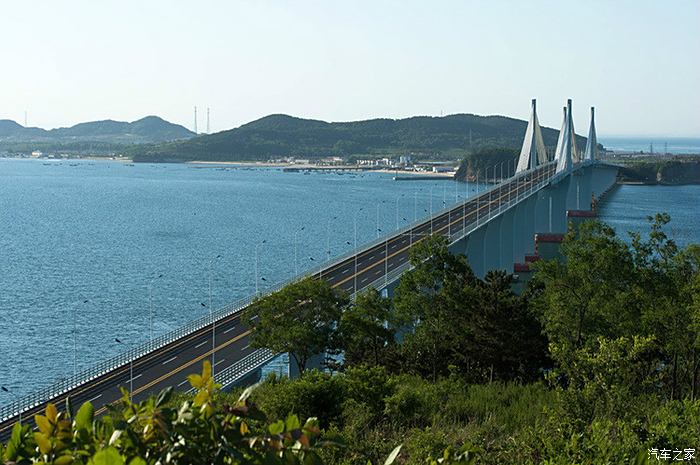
{"x":195,"y":119}
{"x":25,"y":118}
{"x":207,"y":120}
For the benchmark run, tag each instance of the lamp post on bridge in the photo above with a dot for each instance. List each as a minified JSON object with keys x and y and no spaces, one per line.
{"x":16,"y":397}
{"x":257,"y":246}
{"x":355,"y":254}
{"x":296,"y":267}
{"x":328,"y":250}
{"x":131,"y":371}
{"x":75,"y":341}
{"x":386,"y":257}
{"x":211,"y":314}
{"x":150,"y":307}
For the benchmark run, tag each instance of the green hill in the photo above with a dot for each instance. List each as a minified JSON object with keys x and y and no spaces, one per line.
{"x":276,"y":136}
{"x":94,"y":135}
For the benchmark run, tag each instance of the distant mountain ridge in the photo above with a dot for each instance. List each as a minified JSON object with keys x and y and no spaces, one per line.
{"x":276,"y":136}
{"x":151,"y":129}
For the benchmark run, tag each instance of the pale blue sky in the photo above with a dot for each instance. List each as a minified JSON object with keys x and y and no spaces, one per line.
{"x":70,"y":61}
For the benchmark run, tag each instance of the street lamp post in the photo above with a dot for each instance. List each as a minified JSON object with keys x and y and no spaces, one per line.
{"x":131,"y":372}
{"x":211,"y":315}
{"x":415,"y":205}
{"x":431,"y":210}
{"x":4,"y":389}
{"x":328,"y":250}
{"x":355,"y":254}
{"x":256,"y":264}
{"x":296,"y":266}
{"x":150,"y":307}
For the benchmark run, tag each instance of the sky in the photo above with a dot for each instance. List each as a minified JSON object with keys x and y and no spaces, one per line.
{"x":70,"y":61}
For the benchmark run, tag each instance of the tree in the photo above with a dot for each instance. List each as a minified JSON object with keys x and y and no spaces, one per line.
{"x":301,"y":319}
{"x":365,"y":333}
{"x":432,"y":301}
{"x":507,"y":341}
{"x":590,"y":292}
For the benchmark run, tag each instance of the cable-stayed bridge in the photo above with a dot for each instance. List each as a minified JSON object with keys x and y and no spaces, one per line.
{"x":495,"y":229}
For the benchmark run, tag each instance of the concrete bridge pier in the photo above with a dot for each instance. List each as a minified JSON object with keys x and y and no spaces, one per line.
{"x":474,"y":250}
{"x":543,"y":201}
{"x":587,"y":188}
{"x":493,"y":249}
{"x":560,"y":198}
{"x":524,"y":229}
{"x":508,"y":233}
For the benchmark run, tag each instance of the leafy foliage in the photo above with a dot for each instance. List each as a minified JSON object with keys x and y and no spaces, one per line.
{"x":201,"y":431}
{"x":301,"y":319}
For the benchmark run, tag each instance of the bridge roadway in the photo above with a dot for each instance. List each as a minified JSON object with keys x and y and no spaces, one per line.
{"x":171,"y":364}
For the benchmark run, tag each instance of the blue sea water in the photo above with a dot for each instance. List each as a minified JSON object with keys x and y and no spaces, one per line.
{"x":675,"y":145}
{"x":627,"y":208}
{"x":86,"y":239}
{"x":83,"y":241}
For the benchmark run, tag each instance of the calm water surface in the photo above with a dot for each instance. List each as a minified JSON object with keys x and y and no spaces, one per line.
{"x":627,"y":207}
{"x":82,"y":241}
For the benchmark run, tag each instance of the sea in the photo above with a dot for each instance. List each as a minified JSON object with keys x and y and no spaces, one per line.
{"x":106,"y":249}
{"x":672,"y":145}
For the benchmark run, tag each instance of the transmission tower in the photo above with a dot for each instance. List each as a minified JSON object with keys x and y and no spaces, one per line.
{"x":207,"y":120}
{"x":195,"y":119}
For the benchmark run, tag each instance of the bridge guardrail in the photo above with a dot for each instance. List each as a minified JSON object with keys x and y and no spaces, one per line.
{"x":62,"y":386}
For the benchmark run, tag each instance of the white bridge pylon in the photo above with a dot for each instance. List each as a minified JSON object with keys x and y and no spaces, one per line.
{"x":533,"y":152}
{"x":591,"y":153}
{"x":567,"y":153}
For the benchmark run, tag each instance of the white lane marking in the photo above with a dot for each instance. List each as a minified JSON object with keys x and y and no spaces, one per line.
{"x":95,"y":398}
{"x":184,"y":382}
{"x":230,"y":329}
{"x":137,"y":376}
{"x":220,"y":361}
{"x":364,"y":280}
{"x":246,"y":347}
{"x":346,"y":271}
{"x":200,"y":344}
{"x":169,"y":360}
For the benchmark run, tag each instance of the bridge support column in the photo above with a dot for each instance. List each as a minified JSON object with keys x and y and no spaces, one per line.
{"x":543,"y":201}
{"x":508,"y":234}
{"x":529,"y":229}
{"x":475,"y":250}
{"x":522,"y":224}
{"x":492,"y":245}
{"x":559,"y":199}
{"x":586,"y":188}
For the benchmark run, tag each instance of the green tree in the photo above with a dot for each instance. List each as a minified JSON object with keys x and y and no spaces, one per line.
{"x":591,"y":292}
{"x":366,"y":336}
{"x":507,"y":341}
{"x":300,"y":319}
{"x":432,"y":301}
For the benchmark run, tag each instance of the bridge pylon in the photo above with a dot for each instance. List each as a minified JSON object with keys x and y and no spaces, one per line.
{"x":533,"y":152}
{"x":567,"y":153}
{"x":591,"y":152}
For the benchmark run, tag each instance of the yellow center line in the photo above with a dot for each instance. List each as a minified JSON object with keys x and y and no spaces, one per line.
{"x":179,"y":369}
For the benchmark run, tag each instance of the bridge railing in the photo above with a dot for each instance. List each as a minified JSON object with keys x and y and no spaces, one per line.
{"x":67,"y":384}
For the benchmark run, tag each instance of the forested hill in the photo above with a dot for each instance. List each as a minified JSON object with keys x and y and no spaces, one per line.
{"x":150,"y":129}
{"x":278,"y":136}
